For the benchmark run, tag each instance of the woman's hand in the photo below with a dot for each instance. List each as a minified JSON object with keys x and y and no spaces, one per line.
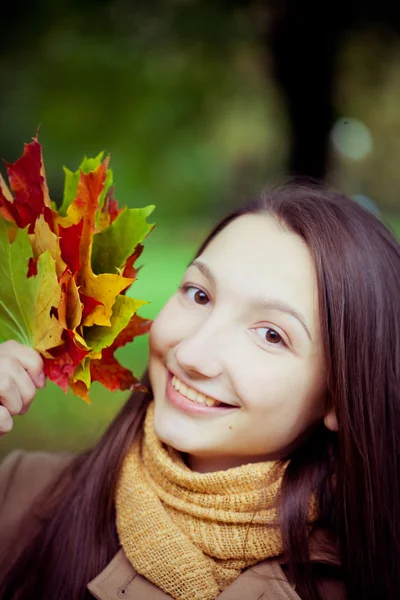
{"x":21,"y":374}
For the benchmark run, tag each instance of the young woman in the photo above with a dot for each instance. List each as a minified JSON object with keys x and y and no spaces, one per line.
{"x":264,"y":461}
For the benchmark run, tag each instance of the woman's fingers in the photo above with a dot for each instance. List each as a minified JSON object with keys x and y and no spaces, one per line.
{"x":17,"y":389}
{"x":21,"y":373}
{"x":10,"y":396}
{"x":6,"y":422}
{"x":30,"y":360}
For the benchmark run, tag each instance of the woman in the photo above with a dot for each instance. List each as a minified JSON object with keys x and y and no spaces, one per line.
{"x":264,"y":462}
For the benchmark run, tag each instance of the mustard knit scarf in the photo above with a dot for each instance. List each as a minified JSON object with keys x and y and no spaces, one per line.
{"x":190,"y":533}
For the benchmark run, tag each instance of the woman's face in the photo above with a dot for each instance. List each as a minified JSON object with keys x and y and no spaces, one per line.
{"x":236,"y":359}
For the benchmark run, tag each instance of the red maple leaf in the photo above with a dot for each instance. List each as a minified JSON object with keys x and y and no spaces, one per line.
{"x":32,"y":267}
{"x":65,"y":360}
{"x":28,"y":184}
{"x":108,"y":370}
{"x":129,"y":269}
{"x":69,"y":244}
{"x":109,"y":211}
{"x":89,"y":304}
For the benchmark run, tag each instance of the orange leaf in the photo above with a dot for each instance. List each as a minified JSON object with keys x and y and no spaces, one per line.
{"x":110,"y":373}
{"x":79,"y":388}
{"x":85,"y":206}
{"x":70,"y":307}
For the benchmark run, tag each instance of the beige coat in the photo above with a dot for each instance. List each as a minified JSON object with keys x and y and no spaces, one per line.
{"x":24,"y":475}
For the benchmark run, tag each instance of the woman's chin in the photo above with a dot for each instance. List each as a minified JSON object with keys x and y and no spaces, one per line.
{"x":174,"y":438}
{"x":175,"y":435}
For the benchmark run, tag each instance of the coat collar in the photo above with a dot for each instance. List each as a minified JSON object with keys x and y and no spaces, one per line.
{"x":120,"y":581}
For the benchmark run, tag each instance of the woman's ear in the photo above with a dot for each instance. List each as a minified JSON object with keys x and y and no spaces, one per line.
{"x":331,"y":421}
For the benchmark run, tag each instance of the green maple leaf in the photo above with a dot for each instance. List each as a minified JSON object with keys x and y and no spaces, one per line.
{"x":82,"y":372}
{"x":25,"y":304}
{"x":113,"y":246}
{"x":98,"y":337}
{"x":72,"y":179}
{"x":17,"y":310}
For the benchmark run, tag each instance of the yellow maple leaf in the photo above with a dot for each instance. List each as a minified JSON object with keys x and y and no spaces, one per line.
{"x":48,"y":331}
{"x":43,"y":239}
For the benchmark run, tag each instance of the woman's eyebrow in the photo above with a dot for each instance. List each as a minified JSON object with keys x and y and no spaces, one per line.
{"x":258,"y":303}
{"x":203,"y":268}
{"x":281,"y":306}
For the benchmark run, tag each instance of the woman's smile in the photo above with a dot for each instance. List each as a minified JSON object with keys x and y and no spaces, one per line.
{"x":190,"y":400}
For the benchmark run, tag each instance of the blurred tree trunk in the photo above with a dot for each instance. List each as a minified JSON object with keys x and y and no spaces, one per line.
{"x":303,"y":38}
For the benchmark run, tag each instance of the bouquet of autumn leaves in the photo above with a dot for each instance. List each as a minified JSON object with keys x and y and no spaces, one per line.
{"x":65,"y":271}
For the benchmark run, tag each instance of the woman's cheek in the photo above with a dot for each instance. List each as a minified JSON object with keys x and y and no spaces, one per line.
{"x":174,"y":324}
{"x":158,"y":336}
{"x":164,"y":332}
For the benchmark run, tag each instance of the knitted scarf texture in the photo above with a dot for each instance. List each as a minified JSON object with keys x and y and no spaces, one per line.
{"x":190,"y":533}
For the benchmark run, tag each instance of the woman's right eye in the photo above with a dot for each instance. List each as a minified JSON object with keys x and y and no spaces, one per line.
{"x":195,"y":294}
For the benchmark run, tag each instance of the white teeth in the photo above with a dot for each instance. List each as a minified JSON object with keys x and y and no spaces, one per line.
{"x":191,"y":394}
{"x":201,"y":399}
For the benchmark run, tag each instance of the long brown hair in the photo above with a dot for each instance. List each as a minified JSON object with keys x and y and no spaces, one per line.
{"x":355,"y":474}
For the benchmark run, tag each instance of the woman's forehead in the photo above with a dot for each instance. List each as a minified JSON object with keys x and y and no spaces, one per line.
{"x":258,"y":241}
{"x":255,"y":257}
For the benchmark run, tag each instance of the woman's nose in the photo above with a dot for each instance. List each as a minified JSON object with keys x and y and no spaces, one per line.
{"x":200,"y":355}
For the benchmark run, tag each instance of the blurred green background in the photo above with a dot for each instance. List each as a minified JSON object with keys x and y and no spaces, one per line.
{"x":200,"y":104}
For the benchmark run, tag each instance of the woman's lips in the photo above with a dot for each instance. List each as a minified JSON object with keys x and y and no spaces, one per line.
{"x":191,"y":406}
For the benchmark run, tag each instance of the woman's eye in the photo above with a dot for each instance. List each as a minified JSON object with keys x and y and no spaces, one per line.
{"x":196,"y":295}
{"x":269,"y":335}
